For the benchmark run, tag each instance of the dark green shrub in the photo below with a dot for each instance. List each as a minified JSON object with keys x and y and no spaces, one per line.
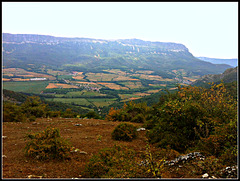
{"x":124,"y":132}
{"x":92,"y":114}
{"x":47,"y":145}
{"x":13,"y":113}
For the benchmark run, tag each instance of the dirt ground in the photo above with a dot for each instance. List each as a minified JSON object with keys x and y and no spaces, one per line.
{"x":88,"y":135}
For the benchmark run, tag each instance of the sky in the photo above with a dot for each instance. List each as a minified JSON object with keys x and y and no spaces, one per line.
{"x":207,"y":29}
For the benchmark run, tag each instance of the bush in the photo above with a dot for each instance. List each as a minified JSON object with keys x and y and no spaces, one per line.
{"x":47,"y":145}
{"x":130,"y":112}
{"x":115,"y":162}
{"x":124,"y":132}
{"x":195,"y":115}
{"x":92,"y":114}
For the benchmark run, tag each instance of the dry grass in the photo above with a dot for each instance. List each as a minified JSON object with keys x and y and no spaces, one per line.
{"x":112,"y":86}
{"x":19,"y":79}
{"x":85,"y":138}
{"x":5,"y":79}
{"x":100,"y":77}
{"x":173,"y":88}
{"x":153,"y":91}
{"x":121,"y":78}
{"x":24,"y":73}
{"x":78,"y":77}
{"x":86,"y":83}
{"x":52,"y":86}
{"x":191,"y":79}
{"x":141,"y":94}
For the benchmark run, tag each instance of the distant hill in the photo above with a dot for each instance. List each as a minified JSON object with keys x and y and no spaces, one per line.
{"x":19,"y":98}
{"x":228,"y":76}
{"x":232,"y":62}
{"x":14,"y":97}
{"x":86,"y":54}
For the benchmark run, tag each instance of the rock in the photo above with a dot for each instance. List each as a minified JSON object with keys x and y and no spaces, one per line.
{"x":83,"y":152}
{"x":229,"y":172}
{"x":205,"y":175}
{"x":34,"y":176}
{"x":78,"y":124}
{"x":185,"y":158}
{"x":141,"y":129}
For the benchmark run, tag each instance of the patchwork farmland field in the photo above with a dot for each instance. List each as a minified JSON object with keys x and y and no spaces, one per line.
{"x":86,"y":88}
{"x":18,"y":73}
{"x":102,"y":102}
{"x":76,"y":101}
{"x":35,"y":87}
{"x":55,"y":85}
{"x":113,"y":86}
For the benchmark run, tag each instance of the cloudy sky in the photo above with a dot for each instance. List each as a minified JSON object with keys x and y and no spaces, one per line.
{"x":206,"y":29}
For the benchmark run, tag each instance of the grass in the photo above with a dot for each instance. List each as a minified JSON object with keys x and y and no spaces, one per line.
{"x":28,"y":87}
{"x":113,"y":86}
{"x":78,"y":101}
{"x":65,"y":77}
{"x":84,"y":93}
{"x":132,"y":85}
{"x":102,"y":102}
{"x":100,"y":76}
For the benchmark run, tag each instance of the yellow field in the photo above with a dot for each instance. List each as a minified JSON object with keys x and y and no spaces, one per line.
{"x":78,"y":73}
{"x":19,"y":79}
{"x":23,"y":73}
{"x":53,"y":85}
{"x":134,"y":98}
{"x":145,"y":72}
{"x":78,"y":77}
{"x":4,"y":79}
{"x":100,"y":77}
{"x":133,"y":85}
{"x":90,"y":83}
{"x":173,"y":88}
{"x":141,"y":94}
{"x":116,"y":71}
{"x":153,"y":91}
{"x":191,"y":79}
{"x":119,"y":78}
{"x":164,"y":85}
{"x":112,"y":86}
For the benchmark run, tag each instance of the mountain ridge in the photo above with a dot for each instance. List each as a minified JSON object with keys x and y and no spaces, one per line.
{"x":229,"y":61}
{"x":85,"y":54}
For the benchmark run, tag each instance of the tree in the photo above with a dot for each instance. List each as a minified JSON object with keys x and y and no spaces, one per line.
{"x":33,"y":106}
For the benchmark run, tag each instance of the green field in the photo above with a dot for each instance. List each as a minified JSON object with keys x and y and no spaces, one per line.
{"x":84,"y":93}
{"x":29,"y":87}
{"x":64,"y":76}
{"x":102,"y":102}
{"x":74,"y":94}
{"x":78,"y":101}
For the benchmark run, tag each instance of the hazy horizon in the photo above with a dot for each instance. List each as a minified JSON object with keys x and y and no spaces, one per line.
{"x":206,"y":29}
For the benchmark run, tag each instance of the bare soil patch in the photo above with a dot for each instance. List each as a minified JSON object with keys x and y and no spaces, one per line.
{"x":88,"y":135}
